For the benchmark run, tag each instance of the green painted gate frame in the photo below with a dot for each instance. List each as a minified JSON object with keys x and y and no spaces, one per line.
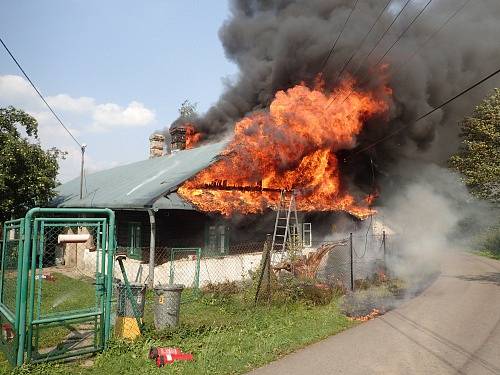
{"x":15,"y":319}
{"x":22,"y":306}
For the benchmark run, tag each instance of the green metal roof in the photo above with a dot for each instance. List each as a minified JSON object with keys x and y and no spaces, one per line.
{"x":148,"y":183}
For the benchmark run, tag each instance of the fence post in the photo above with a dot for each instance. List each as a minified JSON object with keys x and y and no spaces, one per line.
{"x":265,"y":268}
{"x":352,"y":261}
{"x":383,"y":244}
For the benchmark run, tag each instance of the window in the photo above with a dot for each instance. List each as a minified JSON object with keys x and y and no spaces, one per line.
{"x":307,"y":234}
{"x":134,"y":236}
{"x":217,"y":239}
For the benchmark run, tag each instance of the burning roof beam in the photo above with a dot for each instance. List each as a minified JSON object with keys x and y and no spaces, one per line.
{"x":223,"y":185}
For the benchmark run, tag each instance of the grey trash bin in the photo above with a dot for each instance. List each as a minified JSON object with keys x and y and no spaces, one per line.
{"x":167,"y":305}
{"x":124,"y":305}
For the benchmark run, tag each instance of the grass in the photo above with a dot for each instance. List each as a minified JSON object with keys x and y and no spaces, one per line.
{"x":62,"y":294}
{"x":488,"y":254}
{"x":488,"y":243}
{"x":226,"y":334}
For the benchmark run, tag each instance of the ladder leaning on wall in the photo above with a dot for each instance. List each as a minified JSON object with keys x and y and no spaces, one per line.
{"x":285,"y":227}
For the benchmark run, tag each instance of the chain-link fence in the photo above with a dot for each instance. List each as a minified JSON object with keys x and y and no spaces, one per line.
{"x":341,"y":262}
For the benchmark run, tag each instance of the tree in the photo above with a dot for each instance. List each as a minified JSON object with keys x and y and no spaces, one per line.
{"x":187,"y":110}
{"x":27,"y":172}
{"x":478,"y":158}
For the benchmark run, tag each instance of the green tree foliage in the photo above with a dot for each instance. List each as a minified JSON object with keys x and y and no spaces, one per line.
{"x":478,"y":158}
{"x":27,"y":172}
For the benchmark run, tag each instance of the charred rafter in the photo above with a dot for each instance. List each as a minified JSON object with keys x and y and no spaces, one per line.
{"x":223,"y":185}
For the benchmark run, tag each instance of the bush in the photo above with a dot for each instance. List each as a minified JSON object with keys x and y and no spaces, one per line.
{"x":219,"y":294}
{"x":290,"y":289}
{"x":491,"y":241}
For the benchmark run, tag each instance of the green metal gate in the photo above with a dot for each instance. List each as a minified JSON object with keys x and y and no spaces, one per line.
{"x":56,"y":284}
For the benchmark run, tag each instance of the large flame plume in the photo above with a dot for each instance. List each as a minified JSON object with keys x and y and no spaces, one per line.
{"x":293,"y":145}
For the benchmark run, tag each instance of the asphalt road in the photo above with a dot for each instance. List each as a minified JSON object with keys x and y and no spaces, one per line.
{"x":453,"y":327}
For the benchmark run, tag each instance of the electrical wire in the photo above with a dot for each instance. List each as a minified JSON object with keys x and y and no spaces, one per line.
{"x":406,"y":61}
{"x":404,"y":32}
{"x":437,"y":31}
{"x":382,"y":36}
{"x":358,"y":48}
{"x":491,"y":75}
{"x":371,"y":51}
{"x":338,"y":37}
{"x":39,"y":93}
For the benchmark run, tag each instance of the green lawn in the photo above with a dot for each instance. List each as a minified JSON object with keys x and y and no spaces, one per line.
{"x":227,"y":335}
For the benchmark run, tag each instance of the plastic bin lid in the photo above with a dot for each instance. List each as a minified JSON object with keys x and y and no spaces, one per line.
{"x":132,"y":285}
{"x":169,"y":287}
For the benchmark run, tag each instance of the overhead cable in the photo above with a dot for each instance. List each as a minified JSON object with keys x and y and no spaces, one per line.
{"x":39,"y":93}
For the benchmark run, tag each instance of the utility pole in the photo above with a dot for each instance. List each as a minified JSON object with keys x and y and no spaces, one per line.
{"x":83,"y":147}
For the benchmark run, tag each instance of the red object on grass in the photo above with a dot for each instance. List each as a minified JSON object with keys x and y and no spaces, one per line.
{"x":166,"y":356}
{"x":8,"y":331}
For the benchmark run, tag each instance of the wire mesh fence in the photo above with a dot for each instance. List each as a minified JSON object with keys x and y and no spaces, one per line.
{"x":340,"y":263}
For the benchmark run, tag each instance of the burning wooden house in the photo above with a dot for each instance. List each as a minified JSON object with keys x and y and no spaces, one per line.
{"x":217,"y":195}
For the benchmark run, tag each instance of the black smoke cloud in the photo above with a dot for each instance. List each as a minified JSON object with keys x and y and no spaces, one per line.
{"x":279,"y":43}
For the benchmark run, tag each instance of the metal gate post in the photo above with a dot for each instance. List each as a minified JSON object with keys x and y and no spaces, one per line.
{"x":109,"y":276}
{"x":34,"y":251}
{"x":24,"y":287}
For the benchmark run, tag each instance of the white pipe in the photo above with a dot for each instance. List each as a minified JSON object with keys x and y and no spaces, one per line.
{"x":73,"y":238}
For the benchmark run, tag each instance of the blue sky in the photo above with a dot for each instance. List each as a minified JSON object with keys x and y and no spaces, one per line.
{"x":115,"y":71}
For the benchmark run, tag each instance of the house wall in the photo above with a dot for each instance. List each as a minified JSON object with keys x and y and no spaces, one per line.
{"x":174,"y":228}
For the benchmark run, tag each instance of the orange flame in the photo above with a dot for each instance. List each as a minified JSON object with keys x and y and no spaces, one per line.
{"x":192,"y":136}
{"x":292,"y":146}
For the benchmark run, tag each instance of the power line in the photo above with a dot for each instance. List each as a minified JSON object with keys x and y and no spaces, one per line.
{"x":427,"y":114}
{"x":39,"y":93}
{"x":371,"y":51}
{"x":437,"y":31}
{"x":404,"y":32}
{"x":338,"y":36}
{"x":382,"y":36}
{"x":358,"y":48}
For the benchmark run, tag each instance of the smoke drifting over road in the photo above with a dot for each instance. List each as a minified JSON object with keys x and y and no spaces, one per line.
{"x":280,"y":43}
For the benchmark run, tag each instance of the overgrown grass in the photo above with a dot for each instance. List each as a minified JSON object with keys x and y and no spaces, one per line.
{"x":225,"y":333}
{"x":488,"y":243}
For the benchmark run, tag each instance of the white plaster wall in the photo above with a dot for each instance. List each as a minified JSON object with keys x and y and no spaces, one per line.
{"x":212,"y":270}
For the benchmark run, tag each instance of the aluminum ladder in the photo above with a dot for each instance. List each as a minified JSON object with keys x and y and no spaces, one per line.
{"x":286,"y":225}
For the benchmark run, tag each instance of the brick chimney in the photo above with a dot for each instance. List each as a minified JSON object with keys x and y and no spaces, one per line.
{"x":178,"y":135}
{"x":156,"y":145}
